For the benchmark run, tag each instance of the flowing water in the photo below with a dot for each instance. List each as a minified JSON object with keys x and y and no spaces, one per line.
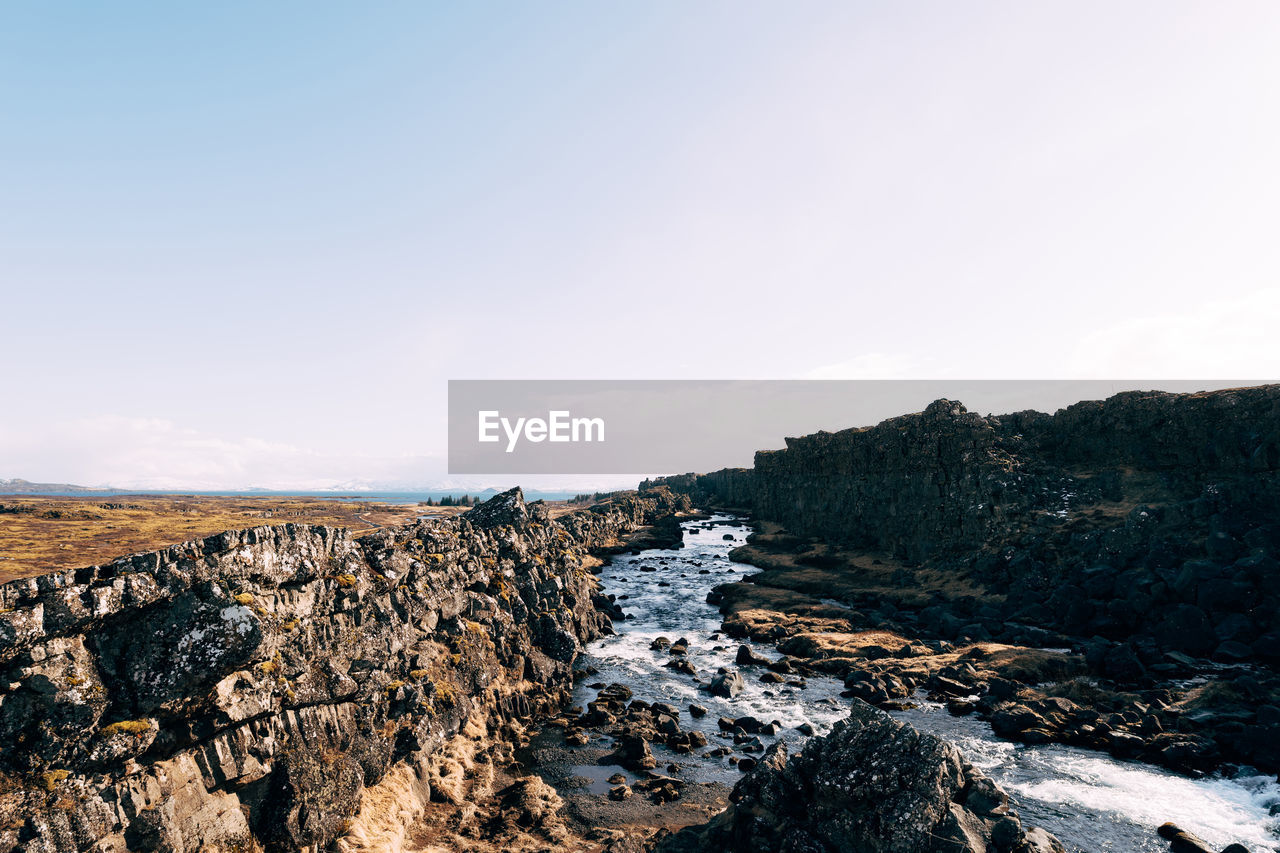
{"x":1090,"y":801}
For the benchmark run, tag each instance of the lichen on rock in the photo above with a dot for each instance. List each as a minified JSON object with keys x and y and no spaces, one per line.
{"x":243,"y":691}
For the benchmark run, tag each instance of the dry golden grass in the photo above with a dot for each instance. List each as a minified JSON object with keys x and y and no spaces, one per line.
{"x":49,"y":533}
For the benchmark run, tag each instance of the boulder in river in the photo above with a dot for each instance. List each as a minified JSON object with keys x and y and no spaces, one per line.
{"x":632,"y":753}
{"x":874,"y":785}
{"x":1181,"y":841}
{"x":681,"y":665}
{"x":727,"y":683}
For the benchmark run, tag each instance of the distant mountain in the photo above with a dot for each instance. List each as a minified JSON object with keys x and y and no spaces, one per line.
{"x":18,"y":486}
{"x":350,"y":488}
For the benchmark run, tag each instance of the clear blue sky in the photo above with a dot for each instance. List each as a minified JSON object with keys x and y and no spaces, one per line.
{"x":247,"y":244}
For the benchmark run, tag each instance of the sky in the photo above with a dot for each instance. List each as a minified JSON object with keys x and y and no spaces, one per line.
{"x":247,"y":244}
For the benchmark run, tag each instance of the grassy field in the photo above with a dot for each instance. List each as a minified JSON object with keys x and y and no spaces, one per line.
{"x":40,"y":534}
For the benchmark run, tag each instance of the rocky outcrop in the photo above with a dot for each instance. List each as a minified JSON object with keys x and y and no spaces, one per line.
{"x":948,"y":479}
{"x":1147,"y":518}
{"x":873,"y":785}
{"x":726,"y":488}
{"x":241,"y":692}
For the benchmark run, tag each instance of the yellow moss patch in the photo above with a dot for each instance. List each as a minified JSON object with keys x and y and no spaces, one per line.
{"x":245,"y":598}
{"x":443,"y":691}
{"x":346,"y":581}
{"x":51,"y":778}
{"x":127,"y":727}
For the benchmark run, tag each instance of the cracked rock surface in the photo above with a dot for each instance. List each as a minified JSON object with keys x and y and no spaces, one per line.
{"x":241,"y":692}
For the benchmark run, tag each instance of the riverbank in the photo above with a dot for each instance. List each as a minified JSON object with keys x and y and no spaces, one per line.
{"x":888,"y":630}
{"x":623,"y":758}
{"x":450,"y":684}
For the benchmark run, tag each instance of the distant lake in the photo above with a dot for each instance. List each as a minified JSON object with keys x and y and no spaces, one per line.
{"x":384,"y":497}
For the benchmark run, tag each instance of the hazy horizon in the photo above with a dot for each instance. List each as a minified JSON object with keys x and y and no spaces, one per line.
{"x":882,"y":400}
{"x":248,"y":246}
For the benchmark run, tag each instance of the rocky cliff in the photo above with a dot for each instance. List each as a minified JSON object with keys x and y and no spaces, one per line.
{"x":1148,"y":513}
{"x":947,"y":479}
{"x":241,"y":692}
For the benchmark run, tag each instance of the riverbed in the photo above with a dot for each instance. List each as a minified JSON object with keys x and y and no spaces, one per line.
{"x":1090,"y":801}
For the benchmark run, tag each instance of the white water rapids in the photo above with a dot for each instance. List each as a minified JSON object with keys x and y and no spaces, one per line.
{"x":1091,"y":801}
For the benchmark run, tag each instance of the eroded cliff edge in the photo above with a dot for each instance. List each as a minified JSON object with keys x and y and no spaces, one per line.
{"x":242,"y":691}
{"x":1148,"y":513}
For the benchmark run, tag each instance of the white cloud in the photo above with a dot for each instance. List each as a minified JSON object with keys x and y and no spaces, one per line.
{"x":873,"y":365}
{"x":1224,"y":339}
{"x":156,"y":453}
{"x":159,"y":454}
{"x":1230,"y":338}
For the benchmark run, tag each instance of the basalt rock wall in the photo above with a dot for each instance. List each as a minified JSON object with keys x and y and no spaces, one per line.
{"x":728,"y":488}
{"x":240,"y":692}
{"x":1147,"y":518}
{"x":949,"y":480}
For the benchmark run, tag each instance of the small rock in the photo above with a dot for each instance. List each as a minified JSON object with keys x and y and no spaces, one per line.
{"x":727,"y":683}
{"x":1181,"y":841}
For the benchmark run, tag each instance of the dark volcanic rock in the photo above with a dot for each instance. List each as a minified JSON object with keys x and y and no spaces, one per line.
{"x":1141,"y":528}
{"x":632,"y":753}
{"x":910,"y":484}
{"x":874,"y":785}
{"x":1182,"y":841}
{"x":747,"y":657}
{"x":727,"y":683}
{"x":311,"y":796}
{"x":507,"y":508}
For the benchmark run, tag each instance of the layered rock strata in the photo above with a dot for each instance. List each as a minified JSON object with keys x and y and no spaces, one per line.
{"x":1148,"y":518}
{"x":241,"y":692}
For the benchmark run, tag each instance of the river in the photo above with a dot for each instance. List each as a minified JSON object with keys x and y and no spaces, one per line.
{"x":1089,"y":800}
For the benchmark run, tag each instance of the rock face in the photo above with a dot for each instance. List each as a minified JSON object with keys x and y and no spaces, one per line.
{"x":243,"y":690}
{"x":874,"y":785}
{"x":1148,"y":517}
{"x":947,"y":478}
